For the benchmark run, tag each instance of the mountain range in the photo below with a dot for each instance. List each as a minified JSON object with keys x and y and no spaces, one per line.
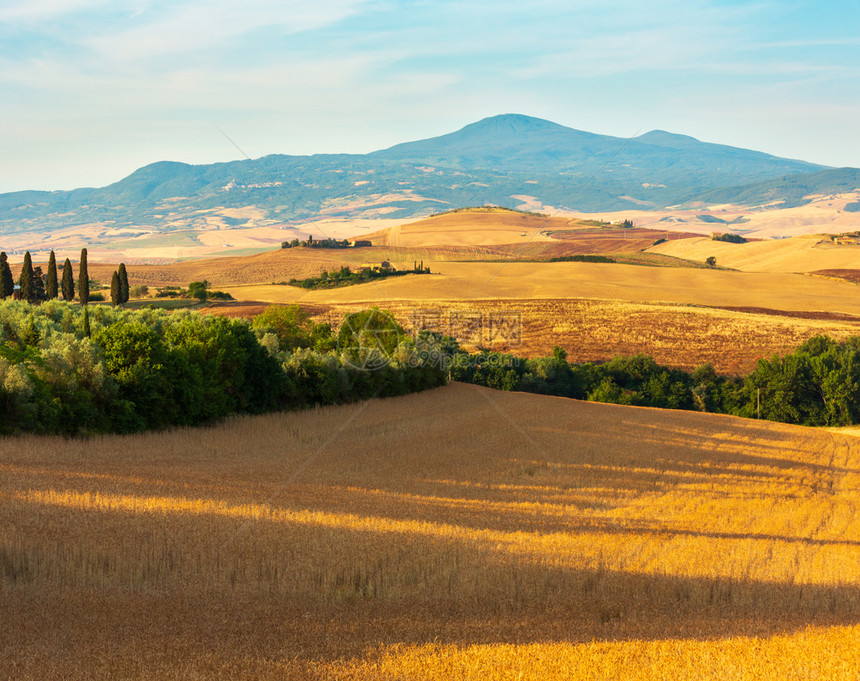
{"x":508,"y":160}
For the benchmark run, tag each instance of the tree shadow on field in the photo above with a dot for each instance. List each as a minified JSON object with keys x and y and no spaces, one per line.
{"x":372,"y":587}
{"x":105,"y":630}
{"x":579,"y":606}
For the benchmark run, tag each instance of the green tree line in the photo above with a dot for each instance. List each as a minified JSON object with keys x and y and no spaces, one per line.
{"x":346,"y":277}
{"x":66,"y":369}
{"x":817,"y":385}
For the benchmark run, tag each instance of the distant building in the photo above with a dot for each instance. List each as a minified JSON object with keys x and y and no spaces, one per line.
{"x":361,"y":243}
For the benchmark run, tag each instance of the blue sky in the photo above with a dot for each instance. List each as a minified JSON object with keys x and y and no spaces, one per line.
{"x":90,"y":90}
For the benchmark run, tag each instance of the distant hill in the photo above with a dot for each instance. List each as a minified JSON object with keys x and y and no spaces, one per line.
{"x":520,"y":143}
{"x":504,"y":160}
{"x":789,"y":191}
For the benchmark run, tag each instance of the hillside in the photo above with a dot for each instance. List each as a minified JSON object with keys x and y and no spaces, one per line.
{"x":508,"y":160}
{"x":548,"y":539}
{"x":472,"y":227}
{"x":799,"y":254}
{"x":789,"y":191}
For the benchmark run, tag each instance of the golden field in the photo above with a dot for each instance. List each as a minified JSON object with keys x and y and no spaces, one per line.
{"x":683,"y":336}
{"x":597,"y":330}
{"x":459,"y":533}
{"x":800,"y":254}
{"x":632,"y":283}
{"x":457,"y":246}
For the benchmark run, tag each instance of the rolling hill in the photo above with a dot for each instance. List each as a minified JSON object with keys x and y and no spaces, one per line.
{"x":800,"y":254}
{"x":508,"y":160}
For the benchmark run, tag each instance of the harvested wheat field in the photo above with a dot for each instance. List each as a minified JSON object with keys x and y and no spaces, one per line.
{"x":597,"y":330}
{"x":681,"y":336}
{"x":459,"y":533}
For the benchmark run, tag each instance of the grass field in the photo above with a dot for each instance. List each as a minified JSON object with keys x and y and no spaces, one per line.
{"x":455,"y":534}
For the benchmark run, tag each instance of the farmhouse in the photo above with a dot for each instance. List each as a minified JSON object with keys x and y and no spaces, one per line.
{"x":845,"y":240}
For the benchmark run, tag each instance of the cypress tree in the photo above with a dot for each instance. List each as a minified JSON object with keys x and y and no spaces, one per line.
{"x":26,"y":280}
{"x":38,"y":285}
{"x":83,"y":281}
{"x":51,"y":282}
{"x":123,"y":283}
{"x":7,"y":281}
{"x":68,"y":281}
{"x":86,"y":322}
{"x":115,"y":290}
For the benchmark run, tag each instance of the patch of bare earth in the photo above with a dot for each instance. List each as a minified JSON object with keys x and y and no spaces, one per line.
{"x":845,"y":274}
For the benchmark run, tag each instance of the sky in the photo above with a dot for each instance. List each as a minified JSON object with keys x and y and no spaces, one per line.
{"x":91,"y":90}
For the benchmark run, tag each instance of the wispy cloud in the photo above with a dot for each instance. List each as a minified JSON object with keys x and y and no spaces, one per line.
{"x":191,"y":26}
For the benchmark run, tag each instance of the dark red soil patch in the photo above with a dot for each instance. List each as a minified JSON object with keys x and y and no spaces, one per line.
{"x":796,"y":314}
{"x":848,"y":275}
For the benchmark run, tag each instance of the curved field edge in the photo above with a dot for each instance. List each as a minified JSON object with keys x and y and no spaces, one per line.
{"x":455,"y":533}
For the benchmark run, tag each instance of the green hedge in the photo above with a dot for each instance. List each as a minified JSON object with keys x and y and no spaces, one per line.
{"x":817,"y":385}
{"x":154,"y":369}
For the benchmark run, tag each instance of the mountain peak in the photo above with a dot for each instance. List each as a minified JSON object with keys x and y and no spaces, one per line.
{"x":517,"y":123}
{"x":507,"y":140}
{"x":672,"y":140}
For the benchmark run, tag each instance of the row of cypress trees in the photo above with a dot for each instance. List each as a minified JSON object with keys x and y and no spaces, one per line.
{"x":36,"y":287}
{"x":119,"y":286}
